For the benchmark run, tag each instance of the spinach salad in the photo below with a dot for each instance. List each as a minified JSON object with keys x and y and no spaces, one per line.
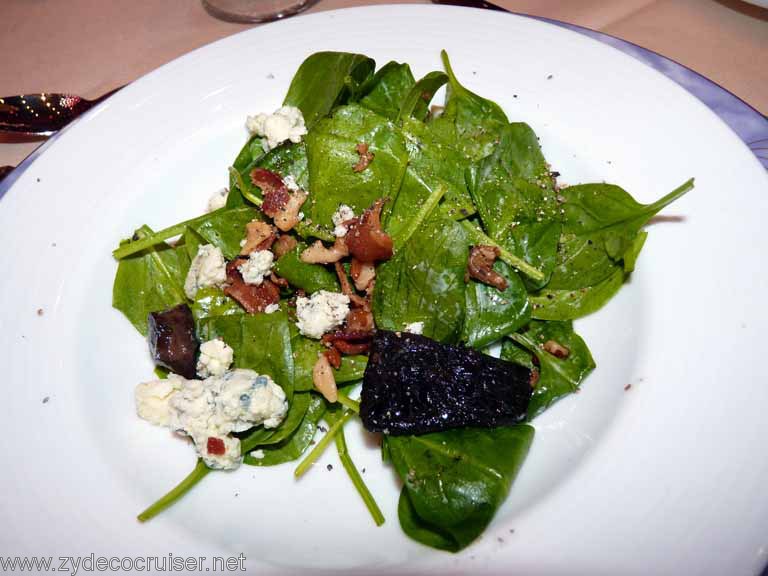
{"x":364,"y":229}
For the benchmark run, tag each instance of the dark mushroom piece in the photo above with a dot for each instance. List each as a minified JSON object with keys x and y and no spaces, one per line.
{"x":172,"y":340}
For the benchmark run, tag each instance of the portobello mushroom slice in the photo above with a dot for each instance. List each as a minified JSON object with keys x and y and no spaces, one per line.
{"x":415,"y":385}
{"x":172,"y":340}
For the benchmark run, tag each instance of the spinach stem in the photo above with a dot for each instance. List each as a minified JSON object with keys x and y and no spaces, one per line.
{"x":480,"y":237}
{"x":200,"y":471}
{"x":348,"y":402}
{"x":357,"y":480}
{"x":421,"y":215}
{"x":153,"y":239}
{"x":671,"y":197}
{"x":243,"y":188}
{"x":318,"y":450}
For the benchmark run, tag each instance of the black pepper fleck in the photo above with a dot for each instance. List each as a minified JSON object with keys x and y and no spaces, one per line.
{"x":329,"y":467}
{"x":46,"y":399}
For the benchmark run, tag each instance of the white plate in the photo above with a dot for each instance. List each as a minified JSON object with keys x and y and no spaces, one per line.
{"x":667,"y":477}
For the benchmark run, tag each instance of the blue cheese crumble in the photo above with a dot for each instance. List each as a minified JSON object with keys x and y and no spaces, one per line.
{"x":321,"y":313}
{"x":286,"y":123}
{"x":215,"y":358}
{"x":214,"y":408}
{"x":257,"y":266}
{"x":208,"y":268}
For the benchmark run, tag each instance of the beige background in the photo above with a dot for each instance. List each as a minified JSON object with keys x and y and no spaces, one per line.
{"x":88,"y":47}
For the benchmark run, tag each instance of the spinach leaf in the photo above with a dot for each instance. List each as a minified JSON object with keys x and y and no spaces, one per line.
{"x":294,"y":445}
{"x":212,"y":301}
{"x":558,"y":376}
{"x":424,"y":281}
{"x":516,"y":200}
{"x":431,"y":164}
{"x":325,"y":80}
{"x":492,"y":314}
{"x":388,"y":88}
{"x":416,"y":102}
{"x":149,"y":281}
{"x":261,"y":342}
{"x":469,"y":122}
{"x":251,"y":152}
{"x":308,"y":277}
{"x":601,"y":225}
{"x":331,"y":151}
{"x":226,"y":228}
{"x":454,"y":481}
{"x":571,"y":304}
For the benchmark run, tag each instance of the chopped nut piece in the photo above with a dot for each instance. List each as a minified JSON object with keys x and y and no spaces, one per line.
{"x":258,"y":236}
{"x":283,"y":245}
{"x":480,"y":266}
{"x":322,"y":377}
{"x":362,"y":273}
{"x":365,"y":157}
{"x":319,"y":254}
{"x":556,"y":349}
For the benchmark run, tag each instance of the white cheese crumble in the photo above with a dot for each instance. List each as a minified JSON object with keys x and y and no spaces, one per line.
{"x":290,"y":183}
{"x":258,"y":454}
{"x":215,"y":358}
{"x":218,"y":200}
{"x":271,"y":308}
{"x":341,"y":215}
{"x":286,"y":123}
{"x":208,"y":268}
{"x":152,"y":399}
{"x":414,"y":327}
{"x":214,"y":408}
{"x":257,"y":266}
{"x":321,"y":313}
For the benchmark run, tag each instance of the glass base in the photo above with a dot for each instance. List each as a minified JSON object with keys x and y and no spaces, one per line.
{"x":251,"y":11}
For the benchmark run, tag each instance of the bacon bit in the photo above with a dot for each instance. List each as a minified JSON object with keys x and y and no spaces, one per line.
{"x":278,"y":281}
{"x":534,"y":378}
{"x":215,"y":446}
{"x":360,"y":320}
{"x":349,"y":342}
{"x":252,"y":298}
{"x":480,"y":266}
{"x":279,"y":203}
{"x":319,"y":254}
{"x":556,"y":349}
{"x":351,"y":349}
{"x":366,"y":240}
{"x":362,"y":273}
{"x":346,"y":287}
{"x":365,"y":157}
{"x":322,"y":378}
{"x":273,"y":191}
{"x":284,"y":244}
{"x":334,"y":357}
{"x":258,"y":236}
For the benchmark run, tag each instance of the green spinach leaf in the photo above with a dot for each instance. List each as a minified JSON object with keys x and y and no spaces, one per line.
{"x":308,"y":277}
{"x":558,"y":376}
{"x":226,"y":228}
{"x":416,"y":102}
{"x":490,"y":313}
{"x":149,"y":281}
{"x":388,"y":88}
{"x":572,"y":304}
{"x":454,"y":481}
{"x":331,"y":151}
{"x":325,"y":80}
{"x":424,"y":281}
{"x":212,"y":301}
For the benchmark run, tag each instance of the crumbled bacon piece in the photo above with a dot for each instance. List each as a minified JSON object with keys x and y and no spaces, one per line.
{"x":362,"y":273}
{"x":279,"y":203}
{"x":480,"y":266}
{"x":365,"y":157}
{"x":251,"y":297}
{"x":534,"y":378}
{"x":334,"y":357}
{"x":366,"y":240}
{"x":278,"y":281}
{"x":215,"y":446}
{"x":258,"y":236}
{"x":319,"y":254}
{"x":349,"y":342}
{"x":284,"y":244}
{"x":360,"y":320}
{"x":556,"y":349}
{"x":346,"y":287}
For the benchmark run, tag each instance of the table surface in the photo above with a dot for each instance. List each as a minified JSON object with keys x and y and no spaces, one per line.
{"x":88,"y":47}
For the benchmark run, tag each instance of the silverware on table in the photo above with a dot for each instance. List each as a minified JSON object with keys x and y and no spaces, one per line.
{"x":43,"y":114}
